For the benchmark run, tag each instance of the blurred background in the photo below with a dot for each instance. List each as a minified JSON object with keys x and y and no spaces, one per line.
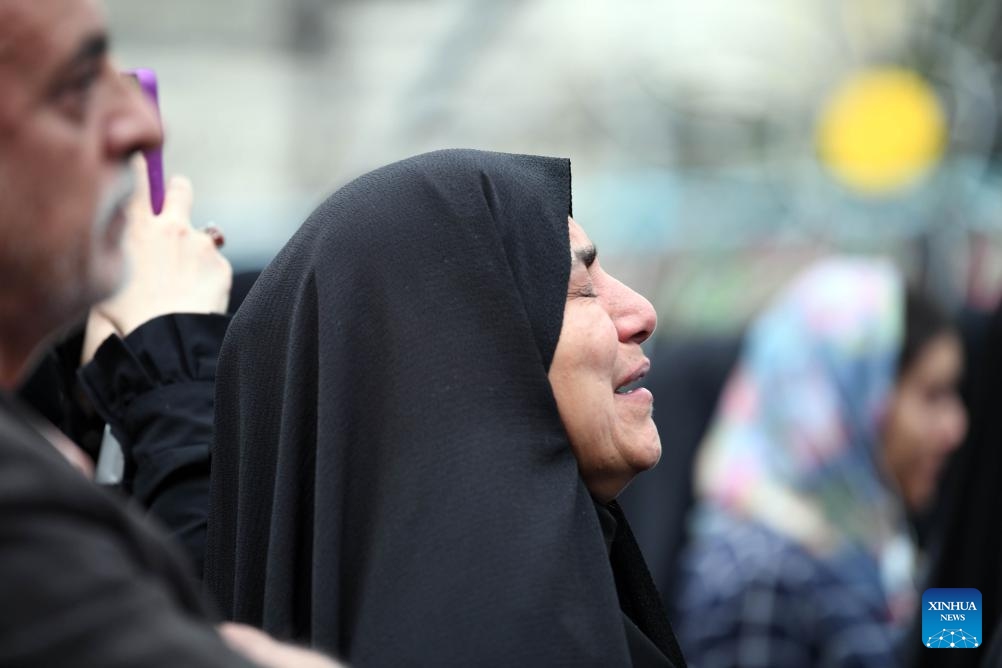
{"x":717,"y":146}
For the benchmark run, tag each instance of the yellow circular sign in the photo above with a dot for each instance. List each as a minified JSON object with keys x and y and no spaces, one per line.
{"x":882,"y":130}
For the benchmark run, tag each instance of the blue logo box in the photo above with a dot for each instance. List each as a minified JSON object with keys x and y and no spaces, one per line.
{"x":951,"y":618}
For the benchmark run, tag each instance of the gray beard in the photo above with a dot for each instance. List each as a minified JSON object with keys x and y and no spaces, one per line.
{"x":70,"y":283}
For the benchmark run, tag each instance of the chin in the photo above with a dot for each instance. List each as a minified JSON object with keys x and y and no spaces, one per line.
{"x":654,"y":456}
{"x":643,"y":460}
{"x":919,"y":501}
{"x":646,"y":454}
{"x":654,"y":445}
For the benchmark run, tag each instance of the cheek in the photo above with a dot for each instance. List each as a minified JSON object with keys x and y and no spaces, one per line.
{"x":915,"y":436}
{"x":587,"y":346}
{"x":597,"y":348}
{"x":48,"y":241}
{"x":913,"y":433}
{"x":582,"y":372}
{"x":54,"y":160}
{"x":70,"y":153}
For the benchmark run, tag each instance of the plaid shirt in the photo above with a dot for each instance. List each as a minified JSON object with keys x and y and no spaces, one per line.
{"x":749,"y":598}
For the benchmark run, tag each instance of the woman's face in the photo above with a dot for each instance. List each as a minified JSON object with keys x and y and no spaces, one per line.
{"x":926,"y":420}
{"x":595,"y":372}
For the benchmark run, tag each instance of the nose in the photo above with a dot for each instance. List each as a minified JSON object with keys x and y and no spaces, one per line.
{"x":132,"y":123}
{"x":634,"y":316}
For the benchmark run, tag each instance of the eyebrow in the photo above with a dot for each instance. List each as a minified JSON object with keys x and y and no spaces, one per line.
{"x":586,"y":255}
{"x":93,"y":47}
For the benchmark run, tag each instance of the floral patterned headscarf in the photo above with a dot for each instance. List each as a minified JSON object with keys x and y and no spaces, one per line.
{"x":795,"y":443}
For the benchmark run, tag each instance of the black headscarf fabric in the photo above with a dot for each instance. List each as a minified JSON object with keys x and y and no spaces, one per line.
{"x":391,"y":480}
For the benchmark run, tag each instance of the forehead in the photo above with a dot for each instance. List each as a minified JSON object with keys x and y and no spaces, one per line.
{"x":941,"y":356}
{"x":38,"y":36}
{"x":579,"y":242}
{"x":577,"y":234}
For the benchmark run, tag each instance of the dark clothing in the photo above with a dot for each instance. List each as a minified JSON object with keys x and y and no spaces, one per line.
{"x":53,"y":388}
{"x":965,"y":537}
{"x":751,"y":598}
{"x":84,"y":582}
{"x":52,"y":391}
{"x":993,"y":652}
{"x":391,"y":480}
{"x":648,"y":635}
{"x":155,"y":389}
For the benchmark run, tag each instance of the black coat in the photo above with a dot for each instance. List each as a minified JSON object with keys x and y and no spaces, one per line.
{"x":83,"y":581}
{"x":391,"y":480}
{"x":155,"y":389}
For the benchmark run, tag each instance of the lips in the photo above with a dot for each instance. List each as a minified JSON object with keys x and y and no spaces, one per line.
{"x":634,"y":381}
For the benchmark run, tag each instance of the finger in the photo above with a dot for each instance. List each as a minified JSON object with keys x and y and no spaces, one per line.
{"x":177,"y":201}
{"x":248,"y":641}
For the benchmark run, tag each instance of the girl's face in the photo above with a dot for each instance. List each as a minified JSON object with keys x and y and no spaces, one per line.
{"x":926,"y":420}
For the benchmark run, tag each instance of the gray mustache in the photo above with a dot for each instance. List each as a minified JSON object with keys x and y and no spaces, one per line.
{"x":114,"y":198}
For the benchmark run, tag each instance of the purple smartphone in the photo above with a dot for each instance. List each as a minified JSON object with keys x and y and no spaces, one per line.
{"x":147,"y":80}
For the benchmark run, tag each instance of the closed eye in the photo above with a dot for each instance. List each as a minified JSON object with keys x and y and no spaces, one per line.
{"x":587,"y":291}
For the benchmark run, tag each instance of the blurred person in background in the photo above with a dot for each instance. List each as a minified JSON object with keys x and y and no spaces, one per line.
{"x":965,"y":537}
{"x":836,"y":420}
{"x":426,"y":408}
{"x":84,"y":580}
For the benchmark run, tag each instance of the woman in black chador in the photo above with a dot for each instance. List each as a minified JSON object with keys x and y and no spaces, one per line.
{"x":426,"y":408}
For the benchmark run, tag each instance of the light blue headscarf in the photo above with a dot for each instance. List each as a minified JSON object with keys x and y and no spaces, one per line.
{"x":795,"y":444}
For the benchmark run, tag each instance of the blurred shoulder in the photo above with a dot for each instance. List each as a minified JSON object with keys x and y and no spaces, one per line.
{"x":736,"y":555}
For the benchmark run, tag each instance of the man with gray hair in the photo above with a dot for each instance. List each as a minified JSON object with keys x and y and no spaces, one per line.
{"x":84,"y":581}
